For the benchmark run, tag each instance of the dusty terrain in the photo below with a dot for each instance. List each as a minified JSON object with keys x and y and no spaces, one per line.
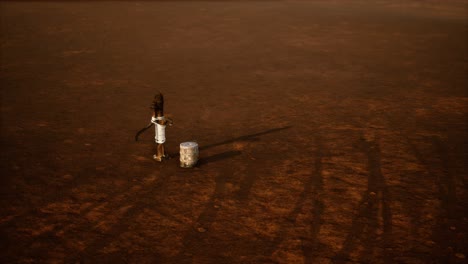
{"x":329,"y":132}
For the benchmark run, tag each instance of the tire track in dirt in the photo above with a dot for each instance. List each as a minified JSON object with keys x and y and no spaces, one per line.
{"x":312,"y":187}
{"x":375,"y":203}
{"x":446,"y":240}
{"x":437,"y":168}
{"x":444,"y":231}
{"x":446,"y":183}
{"x":204,"y":221}
{"x":311,"y":244}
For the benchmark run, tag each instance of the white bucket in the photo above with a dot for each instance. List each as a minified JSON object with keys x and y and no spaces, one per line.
{"x":188,"y":154}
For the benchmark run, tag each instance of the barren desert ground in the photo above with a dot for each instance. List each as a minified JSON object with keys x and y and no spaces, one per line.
{"x":329,"y":131}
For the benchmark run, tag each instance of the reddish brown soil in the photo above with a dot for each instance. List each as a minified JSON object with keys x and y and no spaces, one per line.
{"x":330,"y":132}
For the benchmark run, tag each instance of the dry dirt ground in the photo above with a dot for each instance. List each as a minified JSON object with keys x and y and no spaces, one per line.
{"x":329,"y":132}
